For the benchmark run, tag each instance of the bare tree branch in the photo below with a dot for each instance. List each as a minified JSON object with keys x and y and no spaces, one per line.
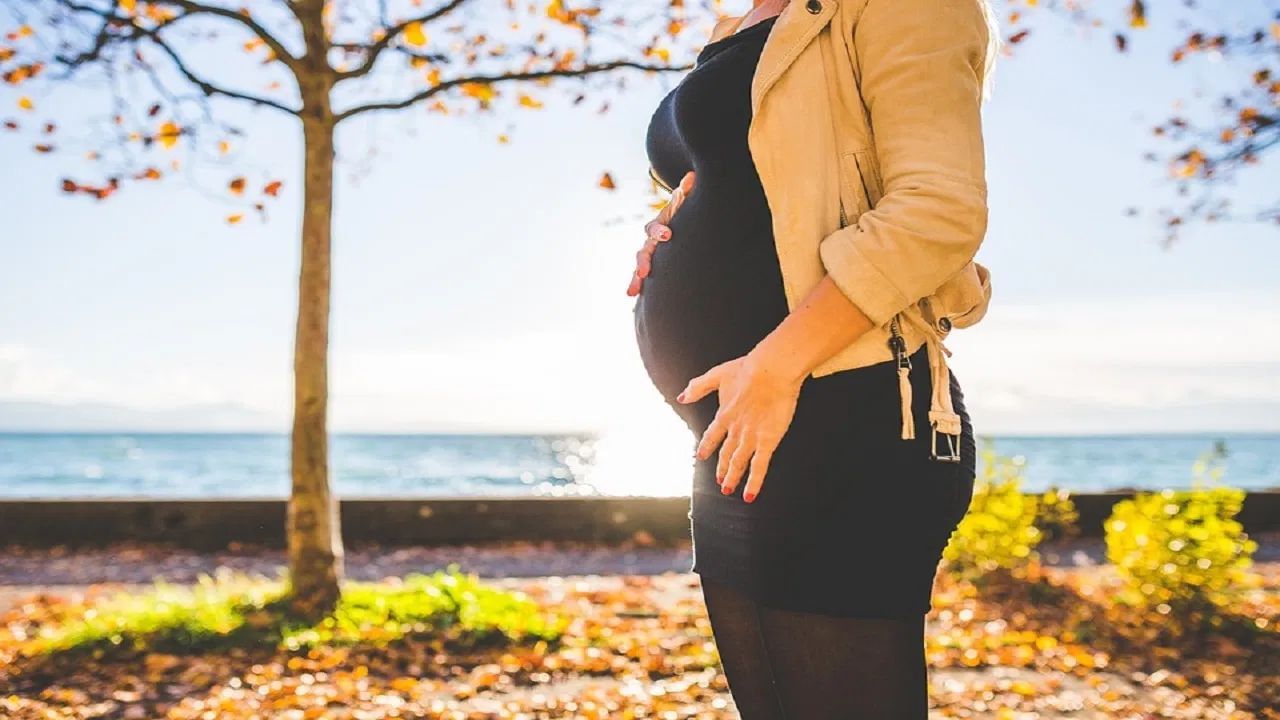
{"x":374,"y":50}
{"x":207,"y":87}
{"x":583,"y":71}
{"x":243,"y":18}
{"x":104,"y":39}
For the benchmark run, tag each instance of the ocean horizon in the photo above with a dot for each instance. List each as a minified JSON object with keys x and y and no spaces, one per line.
{"x":98,"y":464}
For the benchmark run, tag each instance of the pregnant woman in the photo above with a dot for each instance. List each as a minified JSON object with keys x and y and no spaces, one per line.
{"x":793,"y":297}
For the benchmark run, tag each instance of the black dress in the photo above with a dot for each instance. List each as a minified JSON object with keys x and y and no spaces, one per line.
{"x":851,"y":519}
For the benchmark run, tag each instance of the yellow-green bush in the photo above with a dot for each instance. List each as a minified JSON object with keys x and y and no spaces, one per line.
{"x":1180,"y":550}
{"x":999,"y":532}
{"x":1056,"y":515}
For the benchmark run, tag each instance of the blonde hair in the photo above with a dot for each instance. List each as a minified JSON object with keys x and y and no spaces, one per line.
{"x":994,"y":44}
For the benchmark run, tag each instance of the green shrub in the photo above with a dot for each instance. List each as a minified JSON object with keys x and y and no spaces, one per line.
{"x":1180,"y":551}
{"x":237,"y":611}
{"x":999,"y":532}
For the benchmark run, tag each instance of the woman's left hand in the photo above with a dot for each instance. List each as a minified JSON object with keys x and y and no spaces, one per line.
{"x":757,"y":403}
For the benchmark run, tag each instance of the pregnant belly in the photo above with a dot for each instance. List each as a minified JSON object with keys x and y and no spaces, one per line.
{"x":714,"y":291}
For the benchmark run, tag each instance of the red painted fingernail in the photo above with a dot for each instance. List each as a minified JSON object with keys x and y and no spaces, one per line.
{"x":748,"y":496}
{"x":725,"y":489}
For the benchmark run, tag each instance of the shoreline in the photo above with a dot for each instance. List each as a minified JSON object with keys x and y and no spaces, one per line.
{"x":212,"y":525}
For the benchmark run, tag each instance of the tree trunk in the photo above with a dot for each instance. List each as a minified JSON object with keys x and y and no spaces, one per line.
{"x":315,"y":540}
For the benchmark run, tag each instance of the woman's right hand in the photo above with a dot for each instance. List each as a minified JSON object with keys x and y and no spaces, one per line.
{"x":657,"y":231}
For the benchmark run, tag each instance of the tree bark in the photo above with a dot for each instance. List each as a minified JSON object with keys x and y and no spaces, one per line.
{"x":315,"y":540}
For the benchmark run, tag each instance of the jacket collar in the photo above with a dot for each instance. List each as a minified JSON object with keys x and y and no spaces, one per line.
{"x":799,"y":22}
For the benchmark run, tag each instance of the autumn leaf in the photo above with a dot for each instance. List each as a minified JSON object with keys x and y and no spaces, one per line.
{"x":129,"y":6}
{"x":235,"y":219}
{"x":25,"y":103}
{"x":1137,"y":14}
{"x":236,"y":186}
{"x":272,"y":188}
{"x":530,"y":102}
{"x":557,"y":11}
{"x":415,"y":35}
{"x":483,"y":92}
{"x":606,"y":182}
{"x":22,"y":32}
{"x":168,"y":135}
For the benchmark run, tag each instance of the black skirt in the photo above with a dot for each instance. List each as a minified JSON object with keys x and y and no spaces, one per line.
{"x":851,"y":519}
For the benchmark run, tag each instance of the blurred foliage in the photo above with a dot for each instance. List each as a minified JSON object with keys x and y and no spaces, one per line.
{"x":1180,"y":551}
{"x":1056,"y":515}
{"x":233,"y":611}
{"x":999,"y":532}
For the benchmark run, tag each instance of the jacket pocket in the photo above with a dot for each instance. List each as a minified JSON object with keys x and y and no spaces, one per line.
{"x":869,"y":173}
{"x":858,"y":193}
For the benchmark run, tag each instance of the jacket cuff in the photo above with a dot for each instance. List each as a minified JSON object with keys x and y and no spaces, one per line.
{"x":860,"y":281}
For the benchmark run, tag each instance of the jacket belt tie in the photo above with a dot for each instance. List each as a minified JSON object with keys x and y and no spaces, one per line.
{"x":943,"y":418}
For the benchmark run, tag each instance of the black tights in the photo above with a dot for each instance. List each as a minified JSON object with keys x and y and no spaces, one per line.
{"x":786,"y":665}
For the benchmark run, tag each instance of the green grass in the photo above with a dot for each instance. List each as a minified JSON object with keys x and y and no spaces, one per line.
{"x":229,"y":611}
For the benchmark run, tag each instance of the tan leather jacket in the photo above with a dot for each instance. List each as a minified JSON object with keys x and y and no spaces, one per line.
{"x":867,"y":137}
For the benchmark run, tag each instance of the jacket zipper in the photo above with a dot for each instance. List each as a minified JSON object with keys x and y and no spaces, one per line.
{"x":898,"y":344}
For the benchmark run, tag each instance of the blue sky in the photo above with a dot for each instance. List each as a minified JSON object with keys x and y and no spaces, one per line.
{"x":479,"y":286}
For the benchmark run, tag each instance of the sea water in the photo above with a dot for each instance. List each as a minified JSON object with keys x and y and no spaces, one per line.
{"x":88,"y":465}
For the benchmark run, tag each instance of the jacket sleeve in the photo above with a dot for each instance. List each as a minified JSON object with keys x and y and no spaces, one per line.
{"x":921,"y":80}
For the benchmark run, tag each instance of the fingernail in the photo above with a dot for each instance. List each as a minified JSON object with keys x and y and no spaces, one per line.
{"x":725,"y":489}
{"x":748,"y":496}
{"x":680,"y":397}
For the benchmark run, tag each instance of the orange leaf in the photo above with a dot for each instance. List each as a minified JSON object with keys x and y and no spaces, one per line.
{"x":483,"y":92}
{"x":236,"y":186}
{"x":530,"y":102}
{"x":25,"y":103}
{"x":169,"y":133}
{"x":272,"y":188}
{"x":606,"y":182}
{"x":1137,"y":14}
{"x":233,"y":219}
{"x":415,"y":35}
